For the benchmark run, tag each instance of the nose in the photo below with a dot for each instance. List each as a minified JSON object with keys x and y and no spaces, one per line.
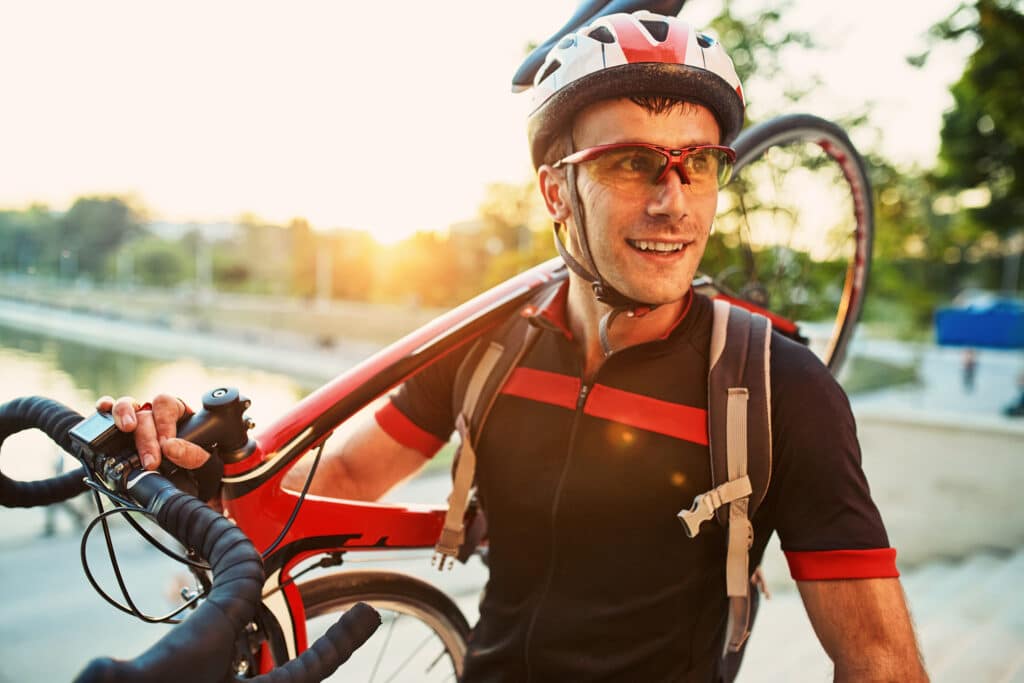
{"x":670,"y":197}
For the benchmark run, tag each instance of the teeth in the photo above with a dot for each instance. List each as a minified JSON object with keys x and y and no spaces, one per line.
{"x":646,"y":245}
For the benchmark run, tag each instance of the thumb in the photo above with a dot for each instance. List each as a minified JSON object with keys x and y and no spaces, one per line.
{"x":184,"y":453}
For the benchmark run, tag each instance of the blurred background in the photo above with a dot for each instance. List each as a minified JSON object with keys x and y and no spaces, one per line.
{"x":262,"y":195}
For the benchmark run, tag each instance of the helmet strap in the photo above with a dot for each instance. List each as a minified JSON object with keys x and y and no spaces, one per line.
{"x":603,"y":291}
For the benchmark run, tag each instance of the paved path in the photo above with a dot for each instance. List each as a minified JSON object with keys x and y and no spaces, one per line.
{"x":967,"y":611}
{"x":942,"y":390}
{"x":968,"y":616}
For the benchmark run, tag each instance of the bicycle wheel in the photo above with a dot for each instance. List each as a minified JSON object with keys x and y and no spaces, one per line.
{"x":794,"y":230}
{"x":422,"y":636}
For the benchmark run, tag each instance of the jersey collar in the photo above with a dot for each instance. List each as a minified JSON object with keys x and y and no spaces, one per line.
{"x":549,"y":312}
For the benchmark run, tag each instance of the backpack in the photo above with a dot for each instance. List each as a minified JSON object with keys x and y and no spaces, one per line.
{"x":739,"y":440}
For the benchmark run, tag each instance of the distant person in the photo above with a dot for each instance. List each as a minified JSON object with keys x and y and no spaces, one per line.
{"x":591,"y":574}
{"x":1016,"y":409}
{"x":970,"y":369}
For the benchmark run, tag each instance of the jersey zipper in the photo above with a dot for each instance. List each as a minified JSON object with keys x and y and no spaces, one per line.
{"x":581,"y":399}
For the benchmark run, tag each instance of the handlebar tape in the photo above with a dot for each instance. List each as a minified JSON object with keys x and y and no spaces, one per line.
{"x":330,"y":650}
{"x":55,"y":420}
{"x":200,"y":648}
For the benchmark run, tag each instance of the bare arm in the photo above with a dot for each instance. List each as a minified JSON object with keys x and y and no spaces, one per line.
{"x":864,"y":626}
{"x":364,"y":466}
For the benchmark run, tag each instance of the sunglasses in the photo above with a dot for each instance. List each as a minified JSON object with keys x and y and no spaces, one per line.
{"x":638,"y":165}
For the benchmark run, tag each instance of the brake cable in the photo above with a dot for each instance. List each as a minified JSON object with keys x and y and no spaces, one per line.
{"x":298,"y":504}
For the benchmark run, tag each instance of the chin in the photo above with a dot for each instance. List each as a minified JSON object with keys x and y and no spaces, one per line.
{"x":658,"y":298}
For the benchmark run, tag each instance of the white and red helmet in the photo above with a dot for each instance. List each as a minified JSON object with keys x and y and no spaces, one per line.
{"x":624,"y":55}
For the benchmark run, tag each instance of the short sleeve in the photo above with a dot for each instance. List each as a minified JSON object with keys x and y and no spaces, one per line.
{"x":419,"y":414}
{"x":828,"y":525}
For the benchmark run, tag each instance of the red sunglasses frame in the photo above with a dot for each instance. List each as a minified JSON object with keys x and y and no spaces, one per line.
{"x":675,"y":157}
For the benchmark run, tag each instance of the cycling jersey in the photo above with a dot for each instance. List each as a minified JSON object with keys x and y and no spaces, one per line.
{"x":592,"y":577}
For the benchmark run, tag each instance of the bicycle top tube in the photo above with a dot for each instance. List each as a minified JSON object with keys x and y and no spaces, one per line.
{"x":252,"y":494}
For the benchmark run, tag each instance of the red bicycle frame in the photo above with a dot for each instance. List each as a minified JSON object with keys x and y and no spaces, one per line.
{"x":254,"y":499}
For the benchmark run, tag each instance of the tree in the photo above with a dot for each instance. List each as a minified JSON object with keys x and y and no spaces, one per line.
{"x":980,"y":174}
{"x":159,"y":263}
{"x":758,"y":48}
{"x":90,"y":233}
{"x":24,"y":236}
{"x":514,"y":234}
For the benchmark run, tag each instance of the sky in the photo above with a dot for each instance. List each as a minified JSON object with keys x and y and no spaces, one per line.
{"x":392,"y":118}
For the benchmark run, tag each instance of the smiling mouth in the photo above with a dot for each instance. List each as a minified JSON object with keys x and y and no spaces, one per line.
{"x":655,"y":247}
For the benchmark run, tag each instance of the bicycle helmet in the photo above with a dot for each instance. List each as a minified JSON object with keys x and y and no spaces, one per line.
{"x":622,"y":55}
{"x":626,"y":55}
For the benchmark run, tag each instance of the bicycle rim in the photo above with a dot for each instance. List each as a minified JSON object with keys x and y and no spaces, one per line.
{"x":794,"y":230}
{"x":422,"y":636}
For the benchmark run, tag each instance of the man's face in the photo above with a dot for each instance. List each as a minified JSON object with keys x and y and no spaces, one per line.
{"x":647,"y":244}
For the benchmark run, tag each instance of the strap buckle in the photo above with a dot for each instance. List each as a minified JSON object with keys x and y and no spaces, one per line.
{"x":447,"y":548}
{"x":706,"y":504}
{"x":702,"y":510}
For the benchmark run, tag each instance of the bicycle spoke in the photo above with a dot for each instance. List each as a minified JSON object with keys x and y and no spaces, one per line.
{"x":795,"y":228}
{"x":410,"y":657}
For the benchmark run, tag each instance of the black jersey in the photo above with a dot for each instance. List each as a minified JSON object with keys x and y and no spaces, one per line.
{"x":592,"y":577}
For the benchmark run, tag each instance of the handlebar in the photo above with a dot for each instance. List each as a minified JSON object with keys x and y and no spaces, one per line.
{"x":206,"y":641}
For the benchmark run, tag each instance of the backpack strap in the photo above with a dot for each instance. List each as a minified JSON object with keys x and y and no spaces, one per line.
{"x":479,"y":381}
{"x":739,"y":438}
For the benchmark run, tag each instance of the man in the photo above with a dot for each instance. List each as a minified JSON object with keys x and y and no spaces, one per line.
{"x":592,"y":576}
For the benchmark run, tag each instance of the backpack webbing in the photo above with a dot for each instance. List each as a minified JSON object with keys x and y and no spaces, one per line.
{"x":739,"y":440}
{"x":482,"y":374}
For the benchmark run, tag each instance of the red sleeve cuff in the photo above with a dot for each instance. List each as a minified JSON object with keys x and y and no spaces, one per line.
{"x":874,"y":563}
{"x":406,"y":432}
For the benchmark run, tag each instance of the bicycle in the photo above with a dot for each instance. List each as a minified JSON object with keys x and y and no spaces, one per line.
{"x":769,"y":244}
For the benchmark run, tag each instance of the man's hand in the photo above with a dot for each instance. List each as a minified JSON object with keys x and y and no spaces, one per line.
{"x":155,"y":428}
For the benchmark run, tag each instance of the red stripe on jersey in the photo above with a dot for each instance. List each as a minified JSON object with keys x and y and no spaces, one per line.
{"x":638,"y":48}
{"x":406,"y":432}
{"x":874,"y":563}
{"x":546,"y":387}
{"x":652,"y":414}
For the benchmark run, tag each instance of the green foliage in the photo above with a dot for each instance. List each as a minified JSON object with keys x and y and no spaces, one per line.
{"x":158,"y":263}
{"x":23,"y":236}
{"x":90,"y":233}
{"x":983,"y":134}
{"x":863,"y":374}
{"x":516,"y":231}
{"x":758,"y":46}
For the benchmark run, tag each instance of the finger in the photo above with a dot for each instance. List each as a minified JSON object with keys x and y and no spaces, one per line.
{"x":124,"y":413}
{"x":184,"y":453}
{"x":104,"y":403}
{"x":146,"y":440}
{"x":167,"y":410}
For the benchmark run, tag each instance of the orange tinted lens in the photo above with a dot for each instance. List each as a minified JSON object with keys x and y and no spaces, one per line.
{"x":707,"y":168}
{"x":628,"y":166}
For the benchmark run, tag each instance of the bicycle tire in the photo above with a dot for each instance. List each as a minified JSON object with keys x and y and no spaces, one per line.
{"x":410,"y":608}
{"x":787,"y":170}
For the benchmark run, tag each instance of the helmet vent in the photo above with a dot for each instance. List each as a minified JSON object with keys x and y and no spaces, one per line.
{"x":551,"y":68}
{"x":657,"y":29}
{"x":704,"y":40}
{"x":567,"y":42}
{"x":602,"y":34}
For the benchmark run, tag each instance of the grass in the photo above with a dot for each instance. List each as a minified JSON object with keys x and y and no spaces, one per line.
{"x":863,"y":374}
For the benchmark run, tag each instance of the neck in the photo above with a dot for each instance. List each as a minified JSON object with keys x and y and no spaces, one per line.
{"x":584,"y":315}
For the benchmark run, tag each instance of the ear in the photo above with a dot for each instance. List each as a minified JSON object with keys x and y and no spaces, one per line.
{"x":555,"y":192}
